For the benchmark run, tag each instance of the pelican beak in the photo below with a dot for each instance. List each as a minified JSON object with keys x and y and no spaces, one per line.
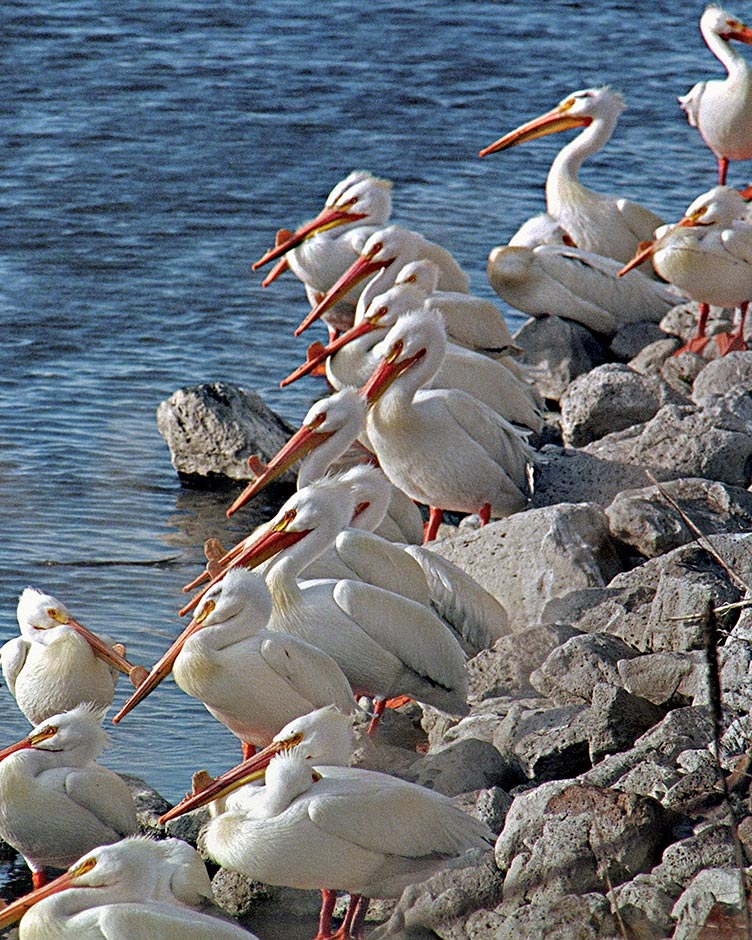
{"x":100,"y":648}
{"x":389,"y":369}
{"x":31,"y":740}
{"x":274,"y":539}
{"x":15,"y":911}
{"x":303,"y":441}
{"x":738,"y":31}
{"x":246,"y":772}
{"x":317,"y":352}
{"x":328,"y":218}
{"x":645,"y":250}
{"x":163,"y":667}
{"x":557,"y":119}
{"x":360,"y":269}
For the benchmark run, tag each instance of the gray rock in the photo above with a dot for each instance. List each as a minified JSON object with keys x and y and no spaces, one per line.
{"x":609,"y":398}
{"x":729,"y":375}
{"x":468,"y":764}
{"x":149,"y":804}
{"x":712,"y":904}
{"x":569,"y":917}
{"x":632,"y":338}
{"x":213,"y":429}
{"x":547,"y":743}
{"x":679,"y":371}
{"x":644,"y":520}
{"x":560,"y":350}
{"x":684,"y":441}
{"x":650,"y":359}
{"x":668,"y":679}
{"x":645,"y":908}
{"x":681,"y":321}
{"x":530,"y":557}
{"x":573,"y":670}
{"x":616,"y":719}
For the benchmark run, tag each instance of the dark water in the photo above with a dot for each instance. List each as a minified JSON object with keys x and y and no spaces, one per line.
{"x":149,"y":152}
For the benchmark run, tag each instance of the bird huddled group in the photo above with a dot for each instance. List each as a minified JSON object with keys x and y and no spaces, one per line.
{"x":332,"y":605}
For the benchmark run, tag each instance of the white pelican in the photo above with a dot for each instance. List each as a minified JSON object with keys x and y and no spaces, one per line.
{"x":443,"y":447}
{"x":55,"y":802}
{"x":391,"y":247}
{"x":250,"y":678}
{"x":708,"y":256}
{"x":319,"y":824}
{"x":542,"y":273}
{"x":603,"y":224}
{"x":331,"y":426}
{"x":721,"y":109}
{"x":350,"y":358}
{"x":320,"y":250}
{"x":386,"y":644}
{"x":131,"y":890}
{"x":57,"y":663}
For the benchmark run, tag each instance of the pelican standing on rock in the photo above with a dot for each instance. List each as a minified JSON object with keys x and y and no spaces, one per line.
{"x":55,"y":802}
{"x":602,"y":224}
{"x":250,"y":678}
{"x":386,"y":644}
{"x":131,"y":890}
{"x":708,"y":256}
{"x":320,"y":824}
{"x":57,"y":663}
{"x":721,"y":109}
{"x":443,"y":447}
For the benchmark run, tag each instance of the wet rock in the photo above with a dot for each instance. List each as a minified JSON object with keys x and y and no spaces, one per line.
{"x":608,"y":398}
{"x":560,"y":350}
{"x":213,"y":429}
{"x":648,"y":523}
{"x":149,"y":804}
{"x":530,"y":557}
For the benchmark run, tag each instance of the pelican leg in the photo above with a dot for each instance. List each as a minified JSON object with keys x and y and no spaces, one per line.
{"x":485,"y":514}
{"x":248,"y":749}
{"x":431,"y":527}
{"x":699,"y":341}
{"x":722,"y":170}
{"x":328,"y":900}
{"x":38,"y":879}
{"x":351,"y":927}
{"x":379,"y":704}
{"x":734,"y":341}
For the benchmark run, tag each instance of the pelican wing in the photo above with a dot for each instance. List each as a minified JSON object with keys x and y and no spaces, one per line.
{"x":639,"y":220}
{"x":313,"y":674}
{"x":126,"y":921}
{"x":381,"y":563}
{"x":737,"y":241}
{"x":12,"y":658}
{"x":391,"y":816}
{"x":472,"y":322}
{"x":473,"y":613}
{"x":105,"y":795}
{"x":413,"y":632}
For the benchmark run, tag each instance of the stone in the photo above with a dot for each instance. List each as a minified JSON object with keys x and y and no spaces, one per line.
{"x":731,"y":374}
{"x":468,"y":764}
{"x":647,"y":522}
{"x":530,"y":557}
{"x":650,"y":359}
{"x":711,"y":905}
{"x":213,"y":429}
{"x":569,"y":917}
{"x":547,"y":743}
{"x":573,"y":670}
{"x":645,"y":908}
{"x":616,"y":719}
{"x":560,"y":350}
{"x":667,"y":679}
{"x":681,"y":321}
{"x":632,"y":338}
{"x":608,"y":398}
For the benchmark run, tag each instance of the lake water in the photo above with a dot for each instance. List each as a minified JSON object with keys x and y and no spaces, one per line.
{"x":149,"y":153}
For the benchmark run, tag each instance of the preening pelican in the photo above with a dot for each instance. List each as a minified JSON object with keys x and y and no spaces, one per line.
{"x":136,"y":888}
{"x":602,"y":224}
{"x":250,"y":678}
{"x":350,"y":358}
{"x":391,"y":248}
{"x":386,"y":644}
{"x":319,"y":824}
{"x":331,"y":426}
{"x":542,"y":273}
{"x":721,"y":109}
{"x":57,"y":663}
{"x":319,"y":251}
{"x":443,"y":447}
{"x":708,"y":256}
{"x":55,"y":802}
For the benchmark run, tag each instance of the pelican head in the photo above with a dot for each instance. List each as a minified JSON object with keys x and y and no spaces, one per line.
{"x":78,"y":730}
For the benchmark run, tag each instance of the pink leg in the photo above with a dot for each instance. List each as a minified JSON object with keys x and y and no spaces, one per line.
{"x":357,"y":927}
{"x":485,"y":514}
{"x":38,"y":879}
{"x":722,"y":170}
{"x":248,"y":749}
{"x":432,"y":526}
{"x":328,"y":900}
{"x":348,"y":925}
{"x":734,"y":341}
{"x":699,"y":341}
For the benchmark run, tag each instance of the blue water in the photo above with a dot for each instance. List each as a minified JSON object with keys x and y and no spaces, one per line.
{"x":150,"y":150}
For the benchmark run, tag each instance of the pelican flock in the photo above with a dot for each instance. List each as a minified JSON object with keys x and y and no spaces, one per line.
{"x":330,"y":610}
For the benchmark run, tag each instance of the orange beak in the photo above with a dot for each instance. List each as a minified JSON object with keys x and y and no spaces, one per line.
{"x":16,"y":910}
{"x":386,"y":372}
{"x":317,"y":352}
{"x":549,"y":123}
{"x":327,"y":219}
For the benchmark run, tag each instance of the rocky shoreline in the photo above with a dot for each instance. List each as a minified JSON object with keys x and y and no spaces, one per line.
{"x":590,"y":742}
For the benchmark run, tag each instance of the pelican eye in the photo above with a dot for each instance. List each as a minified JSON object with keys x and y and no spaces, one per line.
{"x":316,"y":422}
{"x":567,"y":104}
{"x":44,"y":734}
{"x":57,"y":615}
{"x":375,"y":250}
{"x":378,"y":314}
{"x":285,"y":521}
{"x":294,"y":739}
{"x":207,"y":609}
{"x":395,"y":351}
{"x":85,"y":866}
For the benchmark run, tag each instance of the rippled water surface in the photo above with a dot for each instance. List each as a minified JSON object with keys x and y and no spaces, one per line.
{"x":149,"y":153}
